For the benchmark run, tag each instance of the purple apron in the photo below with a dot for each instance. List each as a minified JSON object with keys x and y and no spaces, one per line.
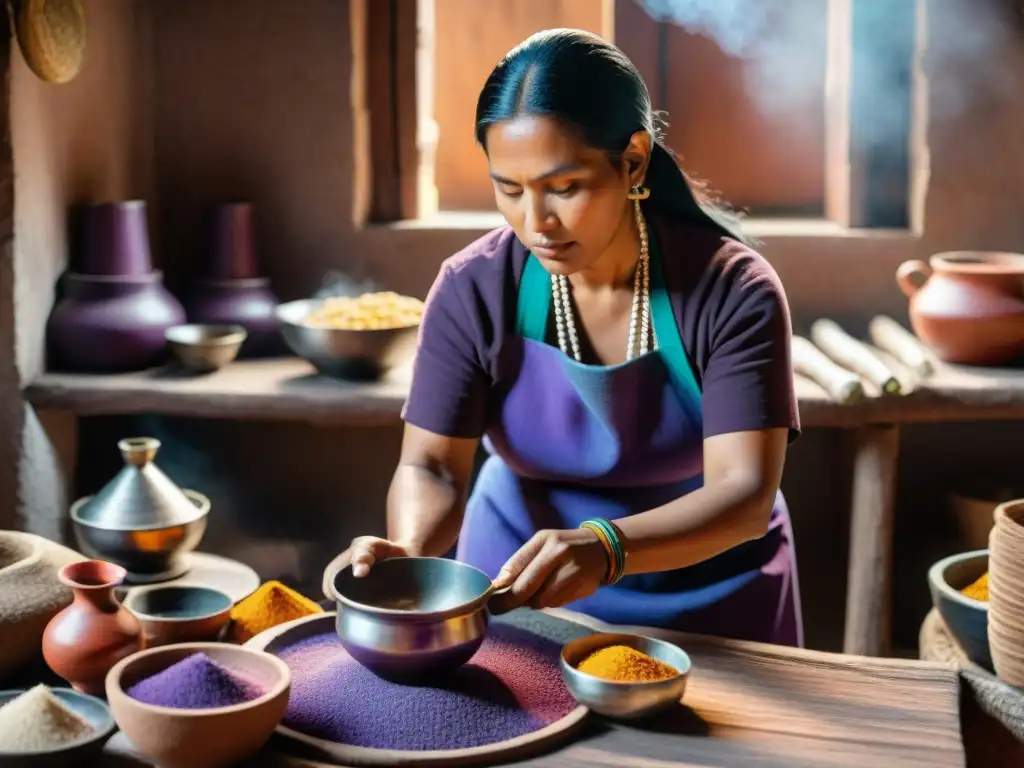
{"x":570,"y":441}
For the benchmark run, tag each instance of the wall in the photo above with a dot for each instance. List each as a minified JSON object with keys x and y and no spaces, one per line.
{"x":252,"y":101}
{"x":90,"y":140}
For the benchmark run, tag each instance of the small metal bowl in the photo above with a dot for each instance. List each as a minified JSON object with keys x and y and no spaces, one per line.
{"x":205,"y":348}
{"x":84,"y":751}
{"x":343,"y":353}
{"x":413,"y":618}
{"x":179,"y":613}
{"x":625,"y":701}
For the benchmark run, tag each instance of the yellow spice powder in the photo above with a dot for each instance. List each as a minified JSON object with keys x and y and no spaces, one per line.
{"x":622,"y":664}
{"x":978,"y":590}
{"x":270,"y":605}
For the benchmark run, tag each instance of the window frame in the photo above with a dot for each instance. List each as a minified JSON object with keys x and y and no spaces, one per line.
{"x":392,"y":90}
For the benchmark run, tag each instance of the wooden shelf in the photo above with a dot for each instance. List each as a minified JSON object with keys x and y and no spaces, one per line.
{"x":290,"y":390}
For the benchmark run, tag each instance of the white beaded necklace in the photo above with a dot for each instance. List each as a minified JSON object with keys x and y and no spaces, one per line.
{"x":636,"y":343}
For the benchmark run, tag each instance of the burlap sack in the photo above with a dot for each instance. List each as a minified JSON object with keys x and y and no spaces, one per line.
{"x":30,"y":594}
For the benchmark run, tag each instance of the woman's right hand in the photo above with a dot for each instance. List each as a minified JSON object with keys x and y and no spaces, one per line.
{"x":361,"y":554}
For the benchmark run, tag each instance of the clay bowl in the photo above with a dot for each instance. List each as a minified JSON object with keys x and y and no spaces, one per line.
{"x":199,"y":738}
{"x":179,"y":613}
{"x":84,"y":751}
{"x":625,"y":701}
{"x":966,"y":618}
{"x":205,"y":348}
{"x":340,"y":353}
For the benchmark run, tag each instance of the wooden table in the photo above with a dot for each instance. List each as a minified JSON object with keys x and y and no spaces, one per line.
{"x":749,"y":704}
{"x":289,"y":389}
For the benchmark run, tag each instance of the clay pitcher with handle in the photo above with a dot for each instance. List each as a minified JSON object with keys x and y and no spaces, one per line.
{"x":968,"y":306}
{"x":86,"y":639}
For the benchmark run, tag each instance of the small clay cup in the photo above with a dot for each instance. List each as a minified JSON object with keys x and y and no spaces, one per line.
{"x":1006,"y":592}
{"x":86,"y":639}
{"x":200,"y":738}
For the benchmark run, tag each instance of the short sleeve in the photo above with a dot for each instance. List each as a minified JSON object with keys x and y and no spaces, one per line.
{"x":448,"y":395}
{"x":748,"y":379}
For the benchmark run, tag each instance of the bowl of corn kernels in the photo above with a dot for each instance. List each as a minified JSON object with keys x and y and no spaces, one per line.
{"x":352,"y":337}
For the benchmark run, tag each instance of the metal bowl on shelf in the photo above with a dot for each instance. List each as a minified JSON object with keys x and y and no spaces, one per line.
{"x":413,"y":618}
{"x":205,"y":348}
{"x":343,"y":353}
{"x":621,"y":700}
{"x":141,"y":520}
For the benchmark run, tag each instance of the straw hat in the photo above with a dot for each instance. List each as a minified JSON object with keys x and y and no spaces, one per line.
{"x":52,"y":37}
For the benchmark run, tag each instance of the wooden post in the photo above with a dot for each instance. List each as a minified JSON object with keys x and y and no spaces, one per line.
{"x":869,"y":572}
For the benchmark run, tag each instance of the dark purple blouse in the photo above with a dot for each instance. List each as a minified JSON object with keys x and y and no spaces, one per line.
{"x":727,"y":299}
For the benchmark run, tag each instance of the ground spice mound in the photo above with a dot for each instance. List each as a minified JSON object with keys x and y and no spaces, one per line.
{"x":622,"y":664}
{"x":270,"y":605}
{"x":38,"y":720}
{"x":195,"y":682}
{"x":511,"y":687}
{"x":977,"y":590}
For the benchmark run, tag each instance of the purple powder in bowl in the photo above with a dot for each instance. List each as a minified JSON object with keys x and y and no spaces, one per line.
{"x":511,"y":687}
{"x":195,"y":682}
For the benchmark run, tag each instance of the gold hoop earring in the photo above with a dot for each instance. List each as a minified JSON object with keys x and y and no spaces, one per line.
{"x":638,"y":193}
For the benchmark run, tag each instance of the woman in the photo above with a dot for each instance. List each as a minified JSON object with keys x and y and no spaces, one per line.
{"x":626,"y":358}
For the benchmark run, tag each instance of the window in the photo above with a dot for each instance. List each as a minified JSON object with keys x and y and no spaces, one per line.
{"x":791,"y":109}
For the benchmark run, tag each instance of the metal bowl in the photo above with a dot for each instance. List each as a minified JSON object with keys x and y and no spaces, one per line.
{"x":413,"y":618}
{"x":205,"y":348}
{"x":179,"y":613}
{"x":148,"y":554}
{"x":625,"y":701}
{"x":342,"y":353}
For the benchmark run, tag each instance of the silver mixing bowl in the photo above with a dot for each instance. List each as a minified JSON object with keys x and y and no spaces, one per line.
{"x":413,"y":618}
{"x":625,"y":700}
{"x":343,"y":353}
{"x":148,"y":554}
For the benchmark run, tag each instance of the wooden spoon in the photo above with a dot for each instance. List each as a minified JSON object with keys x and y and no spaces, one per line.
{"x":52,"y":37}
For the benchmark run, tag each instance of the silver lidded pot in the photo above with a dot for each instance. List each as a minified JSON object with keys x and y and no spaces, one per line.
{"x":141,"y":520}
{"x":413,"y":619}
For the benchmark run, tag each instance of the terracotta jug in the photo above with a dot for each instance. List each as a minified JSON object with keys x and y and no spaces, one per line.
{"x":968,"y":306}
{"x":91,"y":635}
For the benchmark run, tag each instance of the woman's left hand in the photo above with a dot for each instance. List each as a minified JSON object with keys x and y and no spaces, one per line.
{"x":552,"y":569}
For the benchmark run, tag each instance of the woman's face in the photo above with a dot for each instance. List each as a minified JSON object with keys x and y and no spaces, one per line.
{"x":566,"y":202}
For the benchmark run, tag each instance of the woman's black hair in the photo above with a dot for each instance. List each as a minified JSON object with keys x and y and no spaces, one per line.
{"x":591,"y":86}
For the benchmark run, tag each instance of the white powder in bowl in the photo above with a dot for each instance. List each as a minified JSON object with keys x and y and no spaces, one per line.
{"x":37,"y":720}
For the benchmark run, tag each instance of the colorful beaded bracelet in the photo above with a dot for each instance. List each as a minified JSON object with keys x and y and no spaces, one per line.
{"x":612,"y":542}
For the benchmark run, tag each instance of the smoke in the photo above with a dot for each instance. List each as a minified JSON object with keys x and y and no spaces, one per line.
{"x":339,"y":284}
{"x":783,"y":43}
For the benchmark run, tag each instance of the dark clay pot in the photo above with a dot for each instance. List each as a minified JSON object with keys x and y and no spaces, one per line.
{"x":116,"y":240}
{"x":230,"y":254}
{"x":249,"y":303}
{"x":968,"y":306}
{"x":112,"y":324}
{"x":86,"y":639}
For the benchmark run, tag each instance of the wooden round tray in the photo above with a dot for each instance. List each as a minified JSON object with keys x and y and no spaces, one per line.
{"x":280,"y":637}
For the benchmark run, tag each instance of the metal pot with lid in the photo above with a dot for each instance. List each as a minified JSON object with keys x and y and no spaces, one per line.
{"x":141,"y":520}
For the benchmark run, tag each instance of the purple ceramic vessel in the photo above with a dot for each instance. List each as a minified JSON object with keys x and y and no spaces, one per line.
{"x":106,"y":324}
{"x":248,"y":303}
{"x":116,"y":240}
{"x":231,"y":254}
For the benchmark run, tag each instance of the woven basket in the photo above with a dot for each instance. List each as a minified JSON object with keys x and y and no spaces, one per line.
{"x":52,"y":37}
{"x":1006,"y":593}
{"x":997,"y":699}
